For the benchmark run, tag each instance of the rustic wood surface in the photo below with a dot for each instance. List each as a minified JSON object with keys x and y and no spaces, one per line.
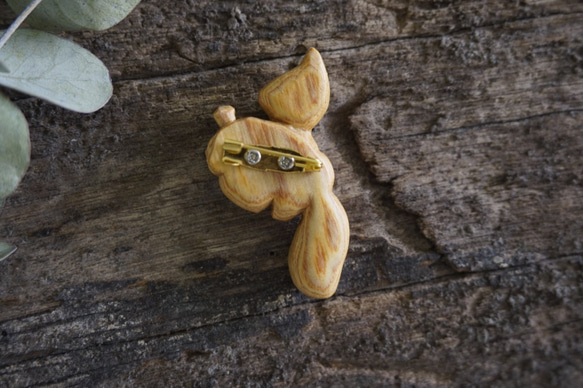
{"x":455,"y":128}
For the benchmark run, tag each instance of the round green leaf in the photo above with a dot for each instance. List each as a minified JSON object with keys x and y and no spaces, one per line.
{"x":56,"y":70}
{"x":14,"y":147}
{"x":75,"y":15}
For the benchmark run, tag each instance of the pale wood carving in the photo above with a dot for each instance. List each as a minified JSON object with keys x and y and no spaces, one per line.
{"x":295,"y":101}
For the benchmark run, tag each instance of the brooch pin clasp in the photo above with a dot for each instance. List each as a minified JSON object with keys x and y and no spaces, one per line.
{"x":236,"y":153}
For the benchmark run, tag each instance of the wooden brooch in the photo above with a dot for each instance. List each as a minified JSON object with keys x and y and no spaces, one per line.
{"x":278,"y":163}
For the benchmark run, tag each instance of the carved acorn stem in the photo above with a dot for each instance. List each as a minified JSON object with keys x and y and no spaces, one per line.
{"x":319,"y":247}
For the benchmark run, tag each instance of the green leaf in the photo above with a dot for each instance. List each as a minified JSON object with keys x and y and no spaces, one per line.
{"x":75,"y":15}
{"x":14,"y":146}
{"x":56,"y":70}
{"x":6,"y":250}
{"x":3,"y":68}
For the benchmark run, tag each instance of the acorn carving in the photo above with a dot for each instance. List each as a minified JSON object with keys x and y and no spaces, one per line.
{"x":277,"y":163}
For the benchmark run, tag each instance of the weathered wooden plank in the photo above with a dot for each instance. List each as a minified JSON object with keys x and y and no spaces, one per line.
{"x":133,"y":269}
{"x":207,"y":35}
{"x":178,"y":37}
{"x":494,"y":328}
{"x":113,"y":175}
{"x":489,"y":195}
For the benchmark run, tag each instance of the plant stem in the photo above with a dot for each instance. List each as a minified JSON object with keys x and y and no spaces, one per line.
{"x":6,"y":250}
{"x":18,"y":21}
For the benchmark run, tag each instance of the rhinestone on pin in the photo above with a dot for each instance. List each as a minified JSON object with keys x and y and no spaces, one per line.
{"x":252,"y":157}
{"x":286,"y":162}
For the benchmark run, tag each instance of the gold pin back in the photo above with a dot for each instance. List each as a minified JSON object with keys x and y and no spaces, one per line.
{"x":265,"y":158}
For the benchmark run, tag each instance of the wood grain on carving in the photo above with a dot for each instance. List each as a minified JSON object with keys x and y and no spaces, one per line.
{"x":299,"y":98}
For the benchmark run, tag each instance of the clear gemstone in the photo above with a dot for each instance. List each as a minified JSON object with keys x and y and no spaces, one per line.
{"x":252,"y":157}
{"x":286,"y":162}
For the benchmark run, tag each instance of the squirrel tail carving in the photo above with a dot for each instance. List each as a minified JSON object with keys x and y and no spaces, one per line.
{"x":319,"y":247}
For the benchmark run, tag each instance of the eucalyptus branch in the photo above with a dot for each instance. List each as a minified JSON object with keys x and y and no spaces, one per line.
{"x":18,"y":21}
{"x":6,"y":250}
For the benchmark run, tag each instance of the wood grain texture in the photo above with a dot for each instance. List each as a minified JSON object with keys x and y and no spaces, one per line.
{"x":295,"y":102}
{"x":455,"y":131}
{"x":300,"y":96}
